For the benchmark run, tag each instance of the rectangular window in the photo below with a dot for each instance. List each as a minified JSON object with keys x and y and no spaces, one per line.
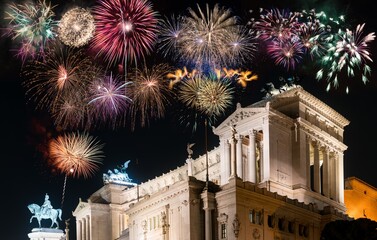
{"x":223,"y":230}
{"x":251,"y":216}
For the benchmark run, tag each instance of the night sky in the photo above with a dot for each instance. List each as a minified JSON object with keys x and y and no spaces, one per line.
{"x":160,"y":147}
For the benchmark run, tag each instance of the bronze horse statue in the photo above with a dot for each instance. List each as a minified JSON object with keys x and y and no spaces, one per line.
{"x":52,"y":214}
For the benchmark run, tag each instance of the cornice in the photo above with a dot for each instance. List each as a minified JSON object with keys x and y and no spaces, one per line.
{"x":321,"y":136}
{"x":299,"y":94}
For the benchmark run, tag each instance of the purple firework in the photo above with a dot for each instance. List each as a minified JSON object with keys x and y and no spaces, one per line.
{"x":125,"y":29}
{"x":108,"y":98}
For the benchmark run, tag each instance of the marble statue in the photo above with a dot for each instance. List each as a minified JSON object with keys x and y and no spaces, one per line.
{"x":46,"y":211}
{"x":189,"y":150}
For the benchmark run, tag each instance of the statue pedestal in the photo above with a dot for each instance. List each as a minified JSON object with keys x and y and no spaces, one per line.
{"x":46,"y":234}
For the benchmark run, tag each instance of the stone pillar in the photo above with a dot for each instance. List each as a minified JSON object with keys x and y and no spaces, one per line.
{"x":233,"y":142}
{"x":341,"y":178}
{"x":225,"y":161}
{"x":317,"y":185}
{"x":326,"y":173}
{"x":239,"y":170}
{"x":336,"y":177}
{"x":332,"y":166}
{"x":251,"y":162}
{"x":78,"y":229}
{"x":208,"y":199}
{"x":308,"y":175}
{"x":83,"y":230}
{"x":189,"y":166}
{"x":46,"y":234}
{"x":87,"y":228}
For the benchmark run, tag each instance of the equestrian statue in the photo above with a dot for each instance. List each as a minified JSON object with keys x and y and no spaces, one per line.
{"x":46,"y":211}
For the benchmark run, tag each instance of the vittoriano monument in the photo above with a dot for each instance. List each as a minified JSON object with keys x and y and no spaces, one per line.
{"x":46,"y":211}
{"x":118,"y":175}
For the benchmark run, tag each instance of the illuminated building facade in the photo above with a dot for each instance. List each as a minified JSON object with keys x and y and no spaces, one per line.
{"x":277,"y":173}
{"x":360,"y":199}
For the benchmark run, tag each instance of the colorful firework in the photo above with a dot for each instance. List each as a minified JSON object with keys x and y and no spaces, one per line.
{"x":108,"y":98}
{"x":76,"y":154}
{"x":76,"y":27}
{"x":33,"y":25}
{"x":348,"y":52}
{"x":169,"y":35}
{"x":286,"y":53}
{"x":207,"y":38}
{"x":276,"y":25}
{"x":215,"y":97}
{"x":150,"y":94}
{"x":203,"y":98}
{"x":63,"y":70}
{"x":72,"y":111}
{"x":125,"y":29}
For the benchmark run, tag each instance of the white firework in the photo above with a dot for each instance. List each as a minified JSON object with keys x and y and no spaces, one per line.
{"x":76,"y":27}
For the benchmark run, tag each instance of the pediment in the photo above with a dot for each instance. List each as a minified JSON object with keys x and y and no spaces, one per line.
{"x":238,"y":116}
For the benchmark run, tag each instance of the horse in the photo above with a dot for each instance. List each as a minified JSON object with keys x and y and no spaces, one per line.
{"x":52,"y":214}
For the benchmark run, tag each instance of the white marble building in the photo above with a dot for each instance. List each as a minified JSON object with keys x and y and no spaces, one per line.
{"x":276,"y":174}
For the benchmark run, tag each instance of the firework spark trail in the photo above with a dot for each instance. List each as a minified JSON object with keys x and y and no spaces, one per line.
{"x":214,"y":97}
{"x":125,"y":30}
{"x":275,"y":24}
{"x":150,"y":94}
{"x":76,"y":27}
{"x":76,"y":154}
{"x":108,"y":99}
{"x":63,"y":70}
{"x":33,"y":25}
{"x":348,"y":52}
{"x":206,"y":38}
{"x":168,"y":37}
{"x":286,"y":53}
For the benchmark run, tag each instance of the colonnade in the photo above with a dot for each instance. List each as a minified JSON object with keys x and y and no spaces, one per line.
{"x":83,"y":228}
{"x":324,"y":170}
{"x":235,"y":164}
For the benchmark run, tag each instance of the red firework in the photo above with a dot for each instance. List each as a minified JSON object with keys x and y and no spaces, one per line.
{"x":125,"y":29}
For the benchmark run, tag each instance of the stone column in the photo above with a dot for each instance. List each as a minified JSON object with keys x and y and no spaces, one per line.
{"x":78,"y":229}
{"x":83,"y":232}
{"x":87,"y":228}
{"x":341,"y":177}
{"x":189,"y":166}
{"x":233,"y":162}
{"x":325,"y":170}
{"x":336,"y":177}
{"x":225,"y":161}
{"x":239,"y":170}
{"x":251,"y":162}
{"x":208,"y":206}
{"x":317,"y":186}
{"x":308,"y":175}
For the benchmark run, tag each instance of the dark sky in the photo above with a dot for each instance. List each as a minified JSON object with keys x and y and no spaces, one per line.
{"x":162,"y":146}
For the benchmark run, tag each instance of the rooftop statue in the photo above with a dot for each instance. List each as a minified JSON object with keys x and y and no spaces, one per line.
{"x":46,"y":211}
{"x":118,"y":175}
{"x":189,"y":150}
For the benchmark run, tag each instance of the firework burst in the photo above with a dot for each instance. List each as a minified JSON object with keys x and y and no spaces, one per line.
{"x":207,"y":38}
{"x":32,"y":25}
{"x":348,"y":53}
{"x":108,"y":98}
{"x":215,"y":97}
{"x":76,"y":154}
{"x":203,"y":98}
{"x":150,"y":94}
{"x":62,"y":71}
{"x":125,"y":29}
{"x":169,"y":35}
{"x":76,"y":27}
